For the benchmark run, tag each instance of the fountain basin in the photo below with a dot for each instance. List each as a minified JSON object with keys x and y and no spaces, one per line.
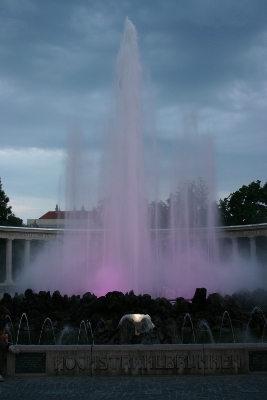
{"x":138,"y":360}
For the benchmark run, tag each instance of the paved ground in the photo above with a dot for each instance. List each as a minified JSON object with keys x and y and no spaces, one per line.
{"x":183,"y":387}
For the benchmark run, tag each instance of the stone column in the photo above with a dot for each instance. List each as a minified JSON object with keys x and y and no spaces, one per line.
{"x":252,"y":242}
{"x":9,"y":280}
{"x":27,"y":252}
{"x":235,"y":248}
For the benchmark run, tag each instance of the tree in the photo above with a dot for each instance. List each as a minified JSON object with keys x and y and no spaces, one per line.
{"x":7,"y":218}
{"x":158,"y":214}
{"x":188,"y":207}
{"x":248,"y":205}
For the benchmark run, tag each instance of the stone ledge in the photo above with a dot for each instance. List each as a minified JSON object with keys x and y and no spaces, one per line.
{"x":138,"y":360}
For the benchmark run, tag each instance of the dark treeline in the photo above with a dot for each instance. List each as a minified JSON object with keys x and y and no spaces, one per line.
{"x":7,"y":217}
{"x":190,"y":207}
{"x":248,"y":205}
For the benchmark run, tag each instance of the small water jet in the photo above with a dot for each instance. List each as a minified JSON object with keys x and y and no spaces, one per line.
{"x":226,"y":314}
{"x":257,"y":311}
{"x":87,"y":329}
{"x":82,"y":324}
{"x":67,"y":335}
{"x":43,"y":326}
{"x":188,"y":316}
{"x":28,"y":329}
{"x":203,"y":330}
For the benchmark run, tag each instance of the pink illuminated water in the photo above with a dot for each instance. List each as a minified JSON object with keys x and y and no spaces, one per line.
{"x":126,"y":240}
{"x":122,"y":253}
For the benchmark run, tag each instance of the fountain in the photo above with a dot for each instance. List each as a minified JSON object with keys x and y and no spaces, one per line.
{"x":90,"y":340}
{"x":121,"y":252}
{"x":123,"y":255}
{"x":57,"y":319}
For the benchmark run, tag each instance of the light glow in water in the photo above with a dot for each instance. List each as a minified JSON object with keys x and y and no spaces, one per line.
{"x":122,"y":253}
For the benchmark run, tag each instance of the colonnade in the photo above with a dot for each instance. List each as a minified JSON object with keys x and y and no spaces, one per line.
{"x":252,"y":246}
{"x":27,"y":235}
{"x":27,"y":252}
{"x":49,"y":235}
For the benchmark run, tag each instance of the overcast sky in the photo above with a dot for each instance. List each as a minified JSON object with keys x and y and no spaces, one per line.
{"x":57,"y":61}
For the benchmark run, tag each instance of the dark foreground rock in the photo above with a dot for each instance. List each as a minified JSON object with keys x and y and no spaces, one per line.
{"x":214,"y":314}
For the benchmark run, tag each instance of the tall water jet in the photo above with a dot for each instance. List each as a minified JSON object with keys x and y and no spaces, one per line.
{"x":126,"y":245}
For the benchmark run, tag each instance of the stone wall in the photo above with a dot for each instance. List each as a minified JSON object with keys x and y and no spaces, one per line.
{"x":138,"y":360}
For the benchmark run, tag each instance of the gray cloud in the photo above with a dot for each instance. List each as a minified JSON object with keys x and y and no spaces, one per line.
{"x":56,"y":70}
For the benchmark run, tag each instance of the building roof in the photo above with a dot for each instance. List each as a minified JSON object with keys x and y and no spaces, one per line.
{"x":66,"y":214}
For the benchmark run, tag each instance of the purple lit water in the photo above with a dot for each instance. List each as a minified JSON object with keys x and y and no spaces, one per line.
{"x":121,"y":252}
